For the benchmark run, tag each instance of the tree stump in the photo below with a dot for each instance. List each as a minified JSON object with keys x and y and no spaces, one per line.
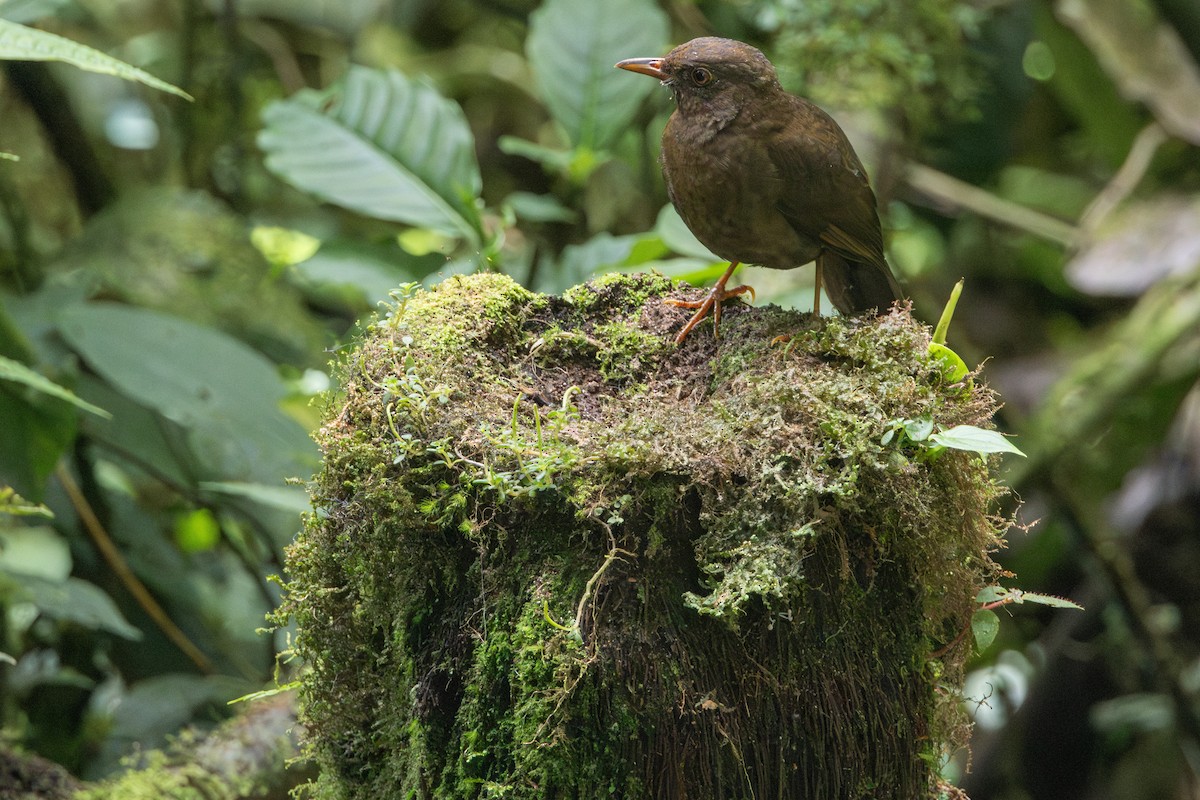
{"x":553,"y":555}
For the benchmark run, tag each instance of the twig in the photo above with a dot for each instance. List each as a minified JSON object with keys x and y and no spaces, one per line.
{"x":1145,"y":145}
{"x":950,"y":191}
{"x":120,"y":567}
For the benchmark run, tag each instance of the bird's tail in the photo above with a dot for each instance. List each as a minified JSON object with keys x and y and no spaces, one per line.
{"x":857,"y":287}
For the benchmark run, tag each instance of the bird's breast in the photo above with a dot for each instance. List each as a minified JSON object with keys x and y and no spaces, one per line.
{"x":724,"y":185}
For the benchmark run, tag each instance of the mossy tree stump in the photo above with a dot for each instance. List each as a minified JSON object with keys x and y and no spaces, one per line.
{"x":556,"y":556}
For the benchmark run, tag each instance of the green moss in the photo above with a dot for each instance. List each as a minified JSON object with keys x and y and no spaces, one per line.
{"x":554,"y":555}
{"x":160,"y":782}
{"x":618,"y":292}
{"x":173,"y":774}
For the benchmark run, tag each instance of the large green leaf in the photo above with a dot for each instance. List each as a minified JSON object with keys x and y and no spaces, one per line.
{"x":383,"y":145}
{"x":572,"y":46}
{"x":21,"y":43}
{"x":362,"y":273}
{"x":223,"y":394}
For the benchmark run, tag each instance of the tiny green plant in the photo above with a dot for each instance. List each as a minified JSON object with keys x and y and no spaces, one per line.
{"x":985,"y":623}
{"x":951,"y":363}
{"x":928,"y":440}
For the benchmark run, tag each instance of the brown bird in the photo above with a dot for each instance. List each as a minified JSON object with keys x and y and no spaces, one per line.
{"x":761,"y":176}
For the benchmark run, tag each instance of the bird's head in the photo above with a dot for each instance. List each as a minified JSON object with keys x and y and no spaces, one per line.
{"x":709,"y":73}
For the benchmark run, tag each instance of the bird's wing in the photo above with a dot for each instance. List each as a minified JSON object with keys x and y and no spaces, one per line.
{"x":825,"y":194}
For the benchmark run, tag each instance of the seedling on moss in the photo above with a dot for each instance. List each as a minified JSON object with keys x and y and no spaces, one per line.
{"x":953,"y":367}
{"x":921,"y":435}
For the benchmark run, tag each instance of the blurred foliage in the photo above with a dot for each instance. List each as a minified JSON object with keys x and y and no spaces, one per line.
{"x":913,"y":58}
{"x":174,"y":275}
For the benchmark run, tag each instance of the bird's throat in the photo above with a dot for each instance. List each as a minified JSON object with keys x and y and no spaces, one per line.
{"x":704,"y":119}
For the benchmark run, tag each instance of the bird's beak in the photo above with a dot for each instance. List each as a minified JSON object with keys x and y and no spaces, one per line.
{"x":646,"y":66}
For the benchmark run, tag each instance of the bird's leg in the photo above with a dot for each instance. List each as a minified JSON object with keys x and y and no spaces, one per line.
{"x":787,"y":337}
{"x":712,"y":302}
{"x":817,"y":288}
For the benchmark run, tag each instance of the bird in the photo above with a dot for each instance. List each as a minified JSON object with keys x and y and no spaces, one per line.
{"x":761,"y":176}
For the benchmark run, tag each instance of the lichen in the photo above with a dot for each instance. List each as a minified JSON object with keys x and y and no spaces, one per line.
{"x":554,"y":555}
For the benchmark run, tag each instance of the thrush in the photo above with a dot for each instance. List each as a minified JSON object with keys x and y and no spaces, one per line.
{"x":764,"y":177}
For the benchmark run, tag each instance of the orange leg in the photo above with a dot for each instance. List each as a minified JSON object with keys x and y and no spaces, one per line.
{"x":712,"y":302}
{"x":787,"y":337}
{"x":817,"y":288}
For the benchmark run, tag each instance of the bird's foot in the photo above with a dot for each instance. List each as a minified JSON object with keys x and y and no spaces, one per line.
{"x":711,"y":303}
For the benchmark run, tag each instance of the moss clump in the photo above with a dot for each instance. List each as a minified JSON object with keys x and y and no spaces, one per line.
{"x":554,"y":555}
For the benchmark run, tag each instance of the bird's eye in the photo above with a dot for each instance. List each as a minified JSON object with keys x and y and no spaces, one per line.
{"x":701,"y":76}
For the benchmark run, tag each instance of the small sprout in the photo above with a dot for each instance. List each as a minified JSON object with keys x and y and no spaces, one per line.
{"x":550,"y":619}
{"x":974,"y":439}
{"x":985,"y":623}
{"x":996,"y":596}
{"x":943,"y":326}
{"x":266,"y":693}
{"x":952,"y":365}
{"x":931,"y":443}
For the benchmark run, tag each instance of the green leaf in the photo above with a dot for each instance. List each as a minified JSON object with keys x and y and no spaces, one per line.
{"x":552,"y":159}
{"x":976,"y":440}
{"x":572,"y":46}
{"x":29,"y":10}
{"x":181,"y":369}
{"x":984,"y":627}
{"x":580,"y":262}
{"x":141,"y":433}
{"x":918,"y":430}
{"x":357,"y":274}
{"x":990,"y":594}
{"x":159,"y":706}
{"x":13,"y":504}
{"x":73,"y":600}
{"x":540,"y":208}
{"x":16,"y":371}
{"x":383,"y":145}
{"x":21,"y":43}
{"x":223,"y":395}
{"x":284,"y":498}
{"x":1143,"y":712}
{"x":950,"y":362}
{"x":32,"y":440}
{"x":943,"y":326}
{"x":36,"y":551}
{"x":264,"y":694}
{"x":1049,"y":600}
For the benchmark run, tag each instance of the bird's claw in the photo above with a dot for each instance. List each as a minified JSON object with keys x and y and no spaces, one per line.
{"x":711,"y":302}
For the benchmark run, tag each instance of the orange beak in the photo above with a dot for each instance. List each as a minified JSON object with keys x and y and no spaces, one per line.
{"x":646,"y":66}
